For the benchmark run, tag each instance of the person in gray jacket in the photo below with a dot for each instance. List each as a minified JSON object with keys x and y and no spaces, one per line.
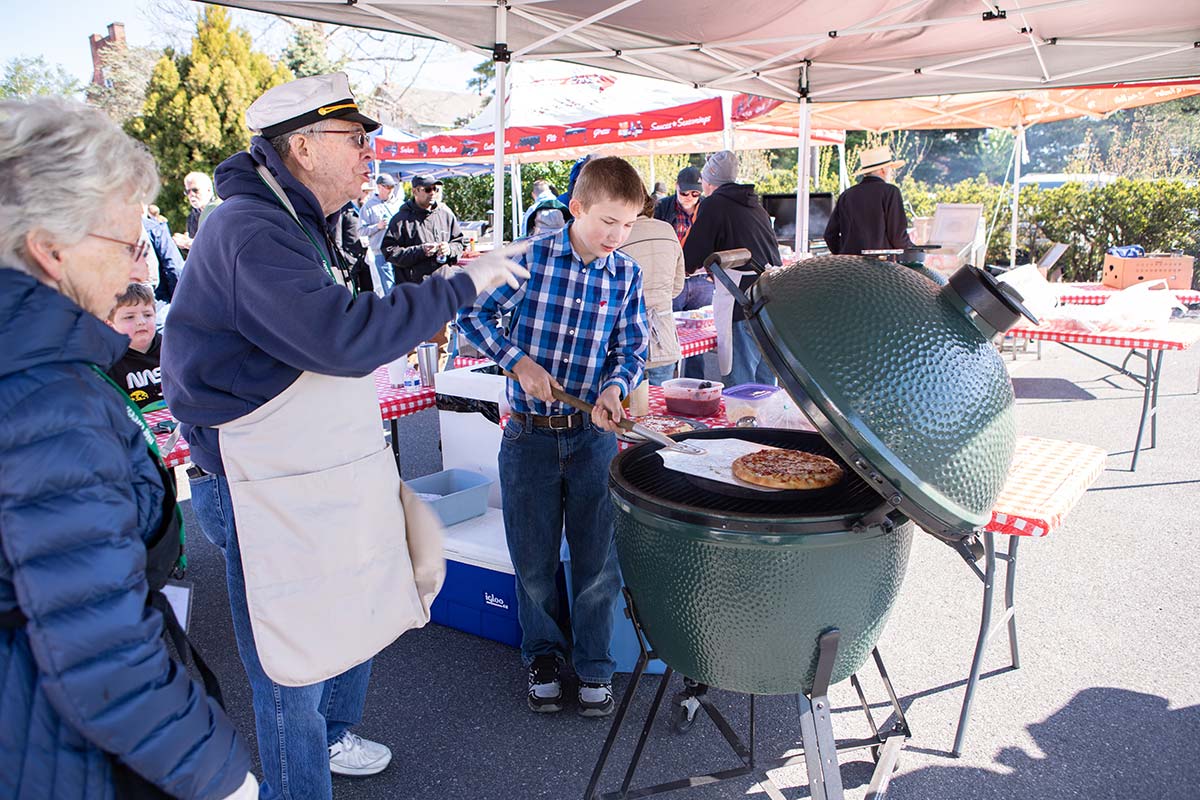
{"x":653,"y":245}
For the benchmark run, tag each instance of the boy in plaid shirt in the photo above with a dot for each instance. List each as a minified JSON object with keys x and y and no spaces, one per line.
{"x":578,"y":324}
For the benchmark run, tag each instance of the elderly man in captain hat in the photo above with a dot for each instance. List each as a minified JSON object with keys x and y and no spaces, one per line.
{"x":267,"y":361}
{"x":870,"y":215}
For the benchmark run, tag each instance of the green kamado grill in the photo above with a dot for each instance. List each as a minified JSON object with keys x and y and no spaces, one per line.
{"x":787,"y":593}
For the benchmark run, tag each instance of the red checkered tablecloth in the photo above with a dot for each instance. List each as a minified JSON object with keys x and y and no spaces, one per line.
{"x":394,"y":402}
{"x":181,"y":453}
{"x":1096,"y":294}
{"x":1047,"y":478}
{"x":1176,"y":336}
{"x":694,"y":341}
{"x":397,"y":401}
{"x":467,"y":361}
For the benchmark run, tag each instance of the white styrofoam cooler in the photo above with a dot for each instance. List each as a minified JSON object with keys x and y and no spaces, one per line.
{"x":469,"y":441}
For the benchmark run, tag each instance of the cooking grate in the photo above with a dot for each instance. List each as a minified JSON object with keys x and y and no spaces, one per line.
{"x":640,"y":471}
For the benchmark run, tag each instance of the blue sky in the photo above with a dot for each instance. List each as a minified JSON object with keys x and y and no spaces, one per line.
{"x":59,"y":30}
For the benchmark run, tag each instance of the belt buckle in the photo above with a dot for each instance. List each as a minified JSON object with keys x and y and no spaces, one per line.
{"x":566,"y":422}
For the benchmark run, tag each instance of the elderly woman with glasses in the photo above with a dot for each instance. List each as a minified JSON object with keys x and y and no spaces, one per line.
{"x":93,"y":704}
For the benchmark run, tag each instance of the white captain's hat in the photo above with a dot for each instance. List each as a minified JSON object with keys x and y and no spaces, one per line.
{"x":305,"y":101}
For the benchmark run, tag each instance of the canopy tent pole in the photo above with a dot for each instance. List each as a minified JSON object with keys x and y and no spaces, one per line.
{"x":518,"y":205}
{"x":802,"y":165}
{"x":1018,"y":153}
{"x":500,"y":56}
{"x":726,"y":122}
{"x":843,"y":175}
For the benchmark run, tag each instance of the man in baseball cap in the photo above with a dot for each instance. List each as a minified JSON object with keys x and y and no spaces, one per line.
{"x":269,"y":365}
{"x":680,"y":210}
{"x":424,"y":235}
{"x":376,"y":214}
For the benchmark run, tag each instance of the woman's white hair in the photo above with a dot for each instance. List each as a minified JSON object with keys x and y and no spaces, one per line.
{"x":51,"y":144}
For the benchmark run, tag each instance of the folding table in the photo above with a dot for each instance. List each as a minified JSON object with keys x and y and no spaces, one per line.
{"x":1047,"y":478}
{"x":1141,"y":344}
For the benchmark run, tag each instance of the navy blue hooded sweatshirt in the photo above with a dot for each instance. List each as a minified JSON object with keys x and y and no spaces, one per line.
{"x":255,"y":307}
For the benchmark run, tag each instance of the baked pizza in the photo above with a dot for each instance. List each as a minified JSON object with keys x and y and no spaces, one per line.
{"x":787,"y":469}
{"x":663,"y":424}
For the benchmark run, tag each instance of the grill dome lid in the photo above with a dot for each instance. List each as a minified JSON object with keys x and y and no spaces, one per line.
{"x":897,"y":372}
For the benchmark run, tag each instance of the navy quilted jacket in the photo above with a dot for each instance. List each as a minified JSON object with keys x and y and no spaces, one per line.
{"x":89,"y":674}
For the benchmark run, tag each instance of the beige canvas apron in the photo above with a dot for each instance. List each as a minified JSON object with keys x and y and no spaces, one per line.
{"x":339,"y":557}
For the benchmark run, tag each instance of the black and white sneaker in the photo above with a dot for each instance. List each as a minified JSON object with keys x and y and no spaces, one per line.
{"x":545,"y":688}
{"x":595,"y":699}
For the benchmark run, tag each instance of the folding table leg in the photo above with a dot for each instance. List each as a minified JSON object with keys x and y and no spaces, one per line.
{"x":396,"y":444}
{"x":1148,"y":394}
{"x":989,"y":549}
{"x":1158,"y":359}
{"x":1010,"y":586}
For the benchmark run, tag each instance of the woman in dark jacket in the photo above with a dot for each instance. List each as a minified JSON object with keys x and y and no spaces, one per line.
{"x":93,"y":704}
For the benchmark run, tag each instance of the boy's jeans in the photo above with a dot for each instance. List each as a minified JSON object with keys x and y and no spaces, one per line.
{"x":295,"y":725}
{"x":547,"y":476}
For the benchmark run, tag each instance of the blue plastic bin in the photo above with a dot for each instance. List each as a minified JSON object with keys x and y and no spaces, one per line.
{"x":462,"y":494}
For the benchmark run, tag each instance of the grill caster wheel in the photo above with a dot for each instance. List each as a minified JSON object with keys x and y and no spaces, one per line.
{"x":684,"y":706}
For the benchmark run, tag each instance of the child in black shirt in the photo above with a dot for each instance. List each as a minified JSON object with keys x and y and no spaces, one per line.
{"x":137,"y":372}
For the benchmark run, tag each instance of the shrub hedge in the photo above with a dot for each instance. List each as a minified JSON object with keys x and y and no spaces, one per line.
{"x":1160,"y":215}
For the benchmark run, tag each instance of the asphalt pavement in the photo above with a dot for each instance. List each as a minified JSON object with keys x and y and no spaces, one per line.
{"x":1106,"y":703}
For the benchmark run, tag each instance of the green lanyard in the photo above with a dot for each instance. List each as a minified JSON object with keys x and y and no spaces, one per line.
{"x":283,"y":201}
{"x":135,"y":414}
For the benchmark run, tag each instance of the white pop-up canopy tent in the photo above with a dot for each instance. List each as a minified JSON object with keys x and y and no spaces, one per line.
{"x":806,"y":50}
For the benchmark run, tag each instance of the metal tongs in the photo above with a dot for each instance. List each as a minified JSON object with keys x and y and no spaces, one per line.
{"x":627,"y":425}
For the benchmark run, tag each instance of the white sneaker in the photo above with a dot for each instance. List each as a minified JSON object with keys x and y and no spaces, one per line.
{"x":354,"y":755}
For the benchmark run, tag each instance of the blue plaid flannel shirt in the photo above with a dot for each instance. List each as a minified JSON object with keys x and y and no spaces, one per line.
{"x":585,"y":324}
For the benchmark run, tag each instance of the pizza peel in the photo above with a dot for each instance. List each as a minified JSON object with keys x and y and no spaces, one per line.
{"x":625,"y":424}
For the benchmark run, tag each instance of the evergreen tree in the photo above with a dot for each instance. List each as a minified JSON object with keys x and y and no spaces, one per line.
{"x":194,"y":114}
{"x":33,"y":77}
{"x":307,"y":52}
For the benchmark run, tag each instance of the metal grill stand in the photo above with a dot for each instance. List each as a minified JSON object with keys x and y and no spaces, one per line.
{"x":820,"y":748}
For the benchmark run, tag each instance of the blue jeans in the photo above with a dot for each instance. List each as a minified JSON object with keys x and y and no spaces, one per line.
{"x":749,"y":366}
{"x":295,"y":725}
{"x":547,"y":476}
{"x":387,"y":275}
{"x":656,"y":375}
{"x":697,"y":293}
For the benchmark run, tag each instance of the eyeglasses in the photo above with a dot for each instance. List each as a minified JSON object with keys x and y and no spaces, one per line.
{"x":359,"y":139}
{"x":692,"y":193}
{"x":137,"y":250}
{"x":427,"y":189}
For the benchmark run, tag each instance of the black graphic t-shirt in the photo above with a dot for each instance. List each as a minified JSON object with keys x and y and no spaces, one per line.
{"x":139,"y":375}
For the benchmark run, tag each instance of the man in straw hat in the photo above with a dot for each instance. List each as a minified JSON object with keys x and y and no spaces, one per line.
{"x":870,"y":215}
{"x":268,"y":360}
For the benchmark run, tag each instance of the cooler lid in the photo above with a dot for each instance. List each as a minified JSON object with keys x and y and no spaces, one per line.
{"x":898,"y":374}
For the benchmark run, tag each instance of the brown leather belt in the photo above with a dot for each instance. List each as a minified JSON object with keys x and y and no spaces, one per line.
{"x":558,"y":422}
